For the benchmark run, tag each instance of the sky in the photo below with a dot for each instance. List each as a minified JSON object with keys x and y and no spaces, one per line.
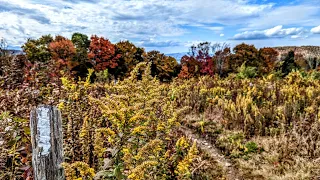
{"x":170,"y":26}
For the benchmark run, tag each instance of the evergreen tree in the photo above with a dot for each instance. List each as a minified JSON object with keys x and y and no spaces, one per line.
{"x":288,"y":64}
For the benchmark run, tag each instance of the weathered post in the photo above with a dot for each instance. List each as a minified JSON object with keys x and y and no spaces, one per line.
{"x":47,"y":143}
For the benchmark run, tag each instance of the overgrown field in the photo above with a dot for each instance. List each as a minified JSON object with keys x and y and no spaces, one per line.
{"x":268,"y":127}
{"x":132,"y":114}
{"x":112,"y":131}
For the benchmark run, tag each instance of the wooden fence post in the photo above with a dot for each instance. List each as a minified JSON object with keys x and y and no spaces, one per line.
{"x":47,"y":143}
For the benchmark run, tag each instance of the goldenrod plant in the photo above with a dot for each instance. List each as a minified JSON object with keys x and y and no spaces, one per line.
{"x":141,"y":118}
{"x":268,"y":126}
{"x":276,"y":118}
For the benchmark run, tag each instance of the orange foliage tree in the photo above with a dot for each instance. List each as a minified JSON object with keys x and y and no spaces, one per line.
{"x":62,"y":51}
{"x":102,"y":54}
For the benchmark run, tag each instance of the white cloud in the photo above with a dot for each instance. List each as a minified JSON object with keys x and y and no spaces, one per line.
{"x":188,"y":44}
{"x":316,"y":30}
{"x":158,"y":43}
{"x":294,"y":15}
{"x":192,"y":43}
{"x":215,"y":29}
{"x":115,"y":19}
{"x":275,"y":32}
{"x":135,"y":20}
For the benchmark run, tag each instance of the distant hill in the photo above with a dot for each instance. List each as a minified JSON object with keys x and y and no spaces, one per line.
{"x":303,"y":50}
{"x":14,"y":52}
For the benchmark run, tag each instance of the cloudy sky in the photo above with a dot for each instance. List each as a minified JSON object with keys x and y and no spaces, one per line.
{"x":166,"y":25}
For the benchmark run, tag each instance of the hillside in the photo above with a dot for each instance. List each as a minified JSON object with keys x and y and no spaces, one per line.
{"x":13,"y":52}
{"x":283,"y":50}
{"x":303,"y":50}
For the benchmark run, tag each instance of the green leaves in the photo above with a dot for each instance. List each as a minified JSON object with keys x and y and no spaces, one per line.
{"x":81,"y":42}
{"x":37,"y":49}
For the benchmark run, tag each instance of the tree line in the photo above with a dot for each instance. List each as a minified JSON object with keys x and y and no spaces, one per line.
{"x":76,"y":55}
{"x":58,"y":56}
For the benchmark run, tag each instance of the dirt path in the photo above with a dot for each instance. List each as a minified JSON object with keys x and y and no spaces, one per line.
{"x":213,"y":152}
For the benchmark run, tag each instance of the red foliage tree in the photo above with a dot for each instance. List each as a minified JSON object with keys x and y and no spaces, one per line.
{"x":190,"y":67}
{"x":199,"y":62}
{"x":102,"y":53}
{"x":201,"y":53}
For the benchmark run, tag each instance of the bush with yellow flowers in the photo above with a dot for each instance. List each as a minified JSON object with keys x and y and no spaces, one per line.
{"x":141,"y":119}
{"x":128,"y":129}
{"x":278,"y":116}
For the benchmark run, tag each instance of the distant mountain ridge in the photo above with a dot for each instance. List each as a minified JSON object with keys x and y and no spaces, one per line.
{"x":283,"y":50}
{"x":13,"y":52}
{"x":305,"y":51}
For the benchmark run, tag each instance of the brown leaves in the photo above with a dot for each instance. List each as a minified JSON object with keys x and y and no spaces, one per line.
{"x":162,"y":66}
{"x":130,"y":57}
{"x":269,"y":57}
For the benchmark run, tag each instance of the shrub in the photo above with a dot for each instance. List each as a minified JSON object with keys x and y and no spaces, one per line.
{"x":246,"y":72}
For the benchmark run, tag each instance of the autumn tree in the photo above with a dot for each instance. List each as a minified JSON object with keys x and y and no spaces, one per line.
{"x":171,"y":68}
{"x":37,"y":50}
{"x":39,"y":68}
{"x":162,"y":66}
{"x":130,"y":57}
{"x":268,"y":58}
{"x":190,"y":67}
{"x":63,"y":51}
{"x":81,"y":43}
{"x":197,"y":62}
{"x":204,"y":57}
{"x":244,"y":53}
{"x":102,"y":54}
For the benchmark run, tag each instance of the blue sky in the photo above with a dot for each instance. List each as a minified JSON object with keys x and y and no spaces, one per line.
{"x":169,"y":26}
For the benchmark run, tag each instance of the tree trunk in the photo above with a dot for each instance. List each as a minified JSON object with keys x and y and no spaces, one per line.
{"x":47,"y":143}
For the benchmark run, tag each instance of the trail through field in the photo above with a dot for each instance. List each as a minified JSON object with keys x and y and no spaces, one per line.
{"x":213,"y":152}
